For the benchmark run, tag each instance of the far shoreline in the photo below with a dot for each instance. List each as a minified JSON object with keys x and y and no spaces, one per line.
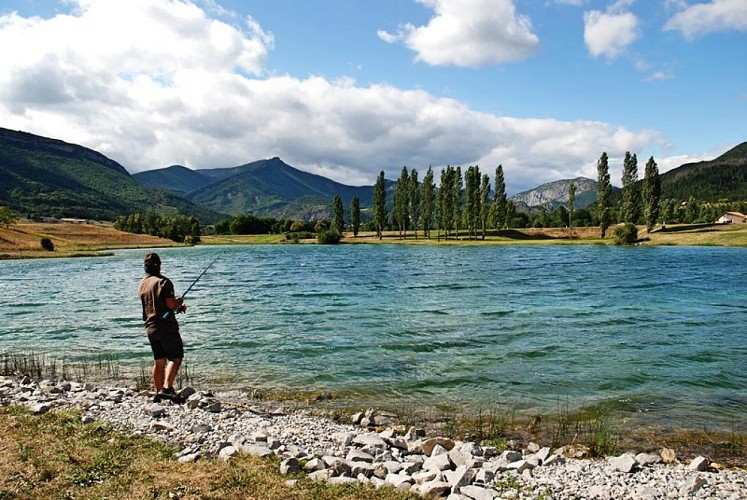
{"x":21,"y":241}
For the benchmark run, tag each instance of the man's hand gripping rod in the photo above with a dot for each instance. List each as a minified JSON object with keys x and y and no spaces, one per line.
{"x":167,"y":313}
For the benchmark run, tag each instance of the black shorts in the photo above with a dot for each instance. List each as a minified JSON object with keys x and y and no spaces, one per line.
{"x":166,"y":345}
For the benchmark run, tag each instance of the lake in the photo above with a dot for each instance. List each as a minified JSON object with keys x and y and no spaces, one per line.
{"x":658,"y":332}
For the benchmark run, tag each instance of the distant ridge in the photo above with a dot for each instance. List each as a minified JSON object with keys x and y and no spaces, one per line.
{"x":553,"y":194}
{"x":268,"y":187}
{"x":177,"y":178}
{"x":43,"y":177}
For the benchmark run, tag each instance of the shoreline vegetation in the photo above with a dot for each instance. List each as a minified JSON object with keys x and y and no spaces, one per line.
{"x":594,"y":431}
{"x":22,"y":240}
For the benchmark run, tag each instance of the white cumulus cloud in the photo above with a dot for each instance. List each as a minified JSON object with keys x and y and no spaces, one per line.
{"x":703,"y":18}
{"x":470,"y":33}
{"x":610,"y":33}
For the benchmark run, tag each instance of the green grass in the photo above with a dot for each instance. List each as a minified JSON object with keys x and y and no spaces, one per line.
{"x":56,"y":456}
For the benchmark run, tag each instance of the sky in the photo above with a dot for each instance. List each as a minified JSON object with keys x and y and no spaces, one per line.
{"x":348,"y":88}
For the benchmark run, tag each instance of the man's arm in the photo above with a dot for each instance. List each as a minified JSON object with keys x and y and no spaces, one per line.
{"x":175,"y":304}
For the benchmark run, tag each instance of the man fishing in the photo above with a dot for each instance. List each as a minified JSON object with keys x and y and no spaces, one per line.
{"x":159,"y":307}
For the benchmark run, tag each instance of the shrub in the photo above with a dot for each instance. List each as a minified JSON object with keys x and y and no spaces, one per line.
{"x":47,"y":244}
{"x":329,"y":237}
{"x":626,"y":235}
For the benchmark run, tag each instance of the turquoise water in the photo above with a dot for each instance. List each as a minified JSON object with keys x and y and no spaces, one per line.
{"x":659,"y":331}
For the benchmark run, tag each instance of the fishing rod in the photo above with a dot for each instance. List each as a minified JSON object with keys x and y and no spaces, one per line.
{"x":166,"y":314}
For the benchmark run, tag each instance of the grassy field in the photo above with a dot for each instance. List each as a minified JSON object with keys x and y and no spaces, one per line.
{"x":23,"y":240}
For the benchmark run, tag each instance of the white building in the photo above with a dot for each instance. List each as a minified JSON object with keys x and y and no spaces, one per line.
{"x":732,"y":218}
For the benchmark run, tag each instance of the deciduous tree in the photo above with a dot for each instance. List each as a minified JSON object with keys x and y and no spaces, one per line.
{"x":379,"y":218}
{"x":428,"y":202}
{"x":631,"y":192}
{"x":604,"y":193}
{"x":571,"y":203}
{"x":355,"y":215}
{"x":499,"y":200}
{"x":651,"y":193}
{"x":7,"y":216}
{"x":484,"y":203}
{"x":338,"y":215}
{"x":414,"y":199}
{"x":400,"y":213}
{"x":472,"y":205}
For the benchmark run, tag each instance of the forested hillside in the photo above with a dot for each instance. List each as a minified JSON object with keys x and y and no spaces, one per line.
{"x":722,"y":179}
{"x":41,"y":177}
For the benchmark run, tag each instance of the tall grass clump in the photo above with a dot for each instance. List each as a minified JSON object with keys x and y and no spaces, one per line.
{"x":592,"y":429}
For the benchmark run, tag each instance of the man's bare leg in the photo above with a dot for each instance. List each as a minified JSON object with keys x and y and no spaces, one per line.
{"x":158,"y":373}
{"x":172,"y":367}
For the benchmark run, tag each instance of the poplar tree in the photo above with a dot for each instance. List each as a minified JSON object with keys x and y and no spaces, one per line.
{"x":400,"y":213}
{"x":472,"y":195}
{"x":571,"y":202}
{"x":446,"y":201}
{"x":499,"y":200}
{"x":484,"y":203}
{"x":379,"y":200}
{"x":428,"y":202}
{"x":604,"y":193}
{"x":651,"y":193}
{"x":414,"y":198}
{"x":631,"y":194}
{"x":338,"y":215}
{"x":355,"y":215}
{"x":456,"y":200}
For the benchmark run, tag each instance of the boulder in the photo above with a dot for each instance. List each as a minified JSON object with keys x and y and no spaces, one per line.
{"x":624,"y":463}
{"x":427,"y":445}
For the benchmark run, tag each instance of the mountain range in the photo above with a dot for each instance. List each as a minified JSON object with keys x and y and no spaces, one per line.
{"x":263,"y":188}
{"x":41,"y":176}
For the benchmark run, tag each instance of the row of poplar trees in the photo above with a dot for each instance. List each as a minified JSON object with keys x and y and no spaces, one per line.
{"x":464,"y":203}
{"x":461,"y":203}
{"x":640,"y":201}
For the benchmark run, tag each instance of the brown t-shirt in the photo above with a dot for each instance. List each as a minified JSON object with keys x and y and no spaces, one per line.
{"x":153,"y":291}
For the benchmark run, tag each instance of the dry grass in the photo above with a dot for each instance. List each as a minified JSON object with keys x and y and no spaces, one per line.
{"x":23,"y":240}
{"x":244,"y":239}
{"x":701,"y":235}
{"x":56,"y":456}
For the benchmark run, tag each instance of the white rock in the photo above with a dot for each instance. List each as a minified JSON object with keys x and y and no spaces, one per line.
{"x":438,"y":462}
{"x":478,"y":493}
{"x":624,"y":463}
{"x":699,"y":464}
{"x":396,"y":480}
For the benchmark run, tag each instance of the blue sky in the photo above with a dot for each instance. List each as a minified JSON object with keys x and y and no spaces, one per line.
{"x":346,"y":88}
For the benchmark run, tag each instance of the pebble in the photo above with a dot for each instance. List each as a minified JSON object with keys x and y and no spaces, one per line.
{"x":222,"y":426}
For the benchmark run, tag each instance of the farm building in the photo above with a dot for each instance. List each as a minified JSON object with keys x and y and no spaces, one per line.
{"x":732,"y":218}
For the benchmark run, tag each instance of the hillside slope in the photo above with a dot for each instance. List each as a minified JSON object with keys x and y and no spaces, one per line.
{"x":724,"y":178}
{"x":46,"y":177}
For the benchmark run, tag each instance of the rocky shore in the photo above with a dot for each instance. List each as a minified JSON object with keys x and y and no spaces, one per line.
{"x":220,"y":426}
